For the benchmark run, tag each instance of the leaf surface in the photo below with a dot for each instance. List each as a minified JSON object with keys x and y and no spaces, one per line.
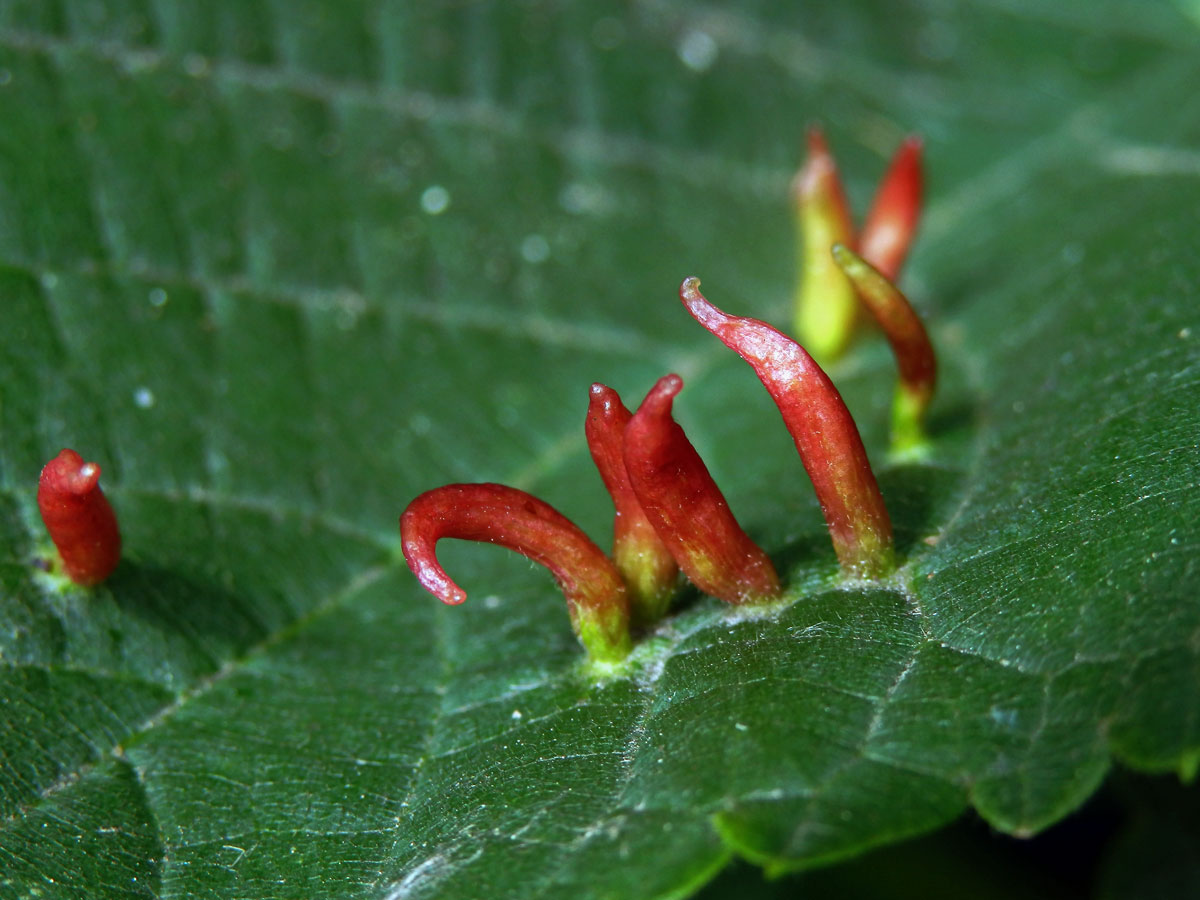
{"x":279,"y":271}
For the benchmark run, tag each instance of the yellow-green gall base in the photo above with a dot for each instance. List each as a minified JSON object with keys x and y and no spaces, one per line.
{"x":651,"y":578}
{"x":909,"y":440}
{"x":604,"y":633}
{"x":871,"y":556}
{"x":826,"y":307}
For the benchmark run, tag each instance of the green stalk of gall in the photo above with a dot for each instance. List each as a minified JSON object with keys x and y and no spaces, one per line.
{"x":910,"y":344}
{"x":641,"y":556}
{"x":596,"y":597}
{"x":687,"y":509}
{"x":825,"y":434}
{"x":825,"y":308}
{"x":892,"y":222}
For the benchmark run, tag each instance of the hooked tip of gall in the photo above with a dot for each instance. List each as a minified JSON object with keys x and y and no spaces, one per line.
{"x":79,"y":519}
{"x":758,"y":346}
{"x":702,"y":311}
{"x":422,"y":560}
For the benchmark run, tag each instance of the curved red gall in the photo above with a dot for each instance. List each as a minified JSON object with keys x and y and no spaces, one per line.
{"x":494,"y":513}
{"x":915,"y":357}
{"x":78,"y":517}
{"x":512,"y":518}
{"x":821,"y":427}
{"x":687,"y":508}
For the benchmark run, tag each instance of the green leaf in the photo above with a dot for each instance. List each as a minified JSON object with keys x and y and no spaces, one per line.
{"x":281,"y":268}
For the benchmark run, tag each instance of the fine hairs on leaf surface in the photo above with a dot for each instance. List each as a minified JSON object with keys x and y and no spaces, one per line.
{"x":280,"y":274}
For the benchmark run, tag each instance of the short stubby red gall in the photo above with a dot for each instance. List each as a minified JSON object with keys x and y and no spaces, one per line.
{"x":644,"y":561}
{"x":687,"y":509}
{"x":821,"y":427}
{"x":494,"y":513}
{"x":914,"y":354}
{"x":78,"y":517}
{"x":826,"y":309}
